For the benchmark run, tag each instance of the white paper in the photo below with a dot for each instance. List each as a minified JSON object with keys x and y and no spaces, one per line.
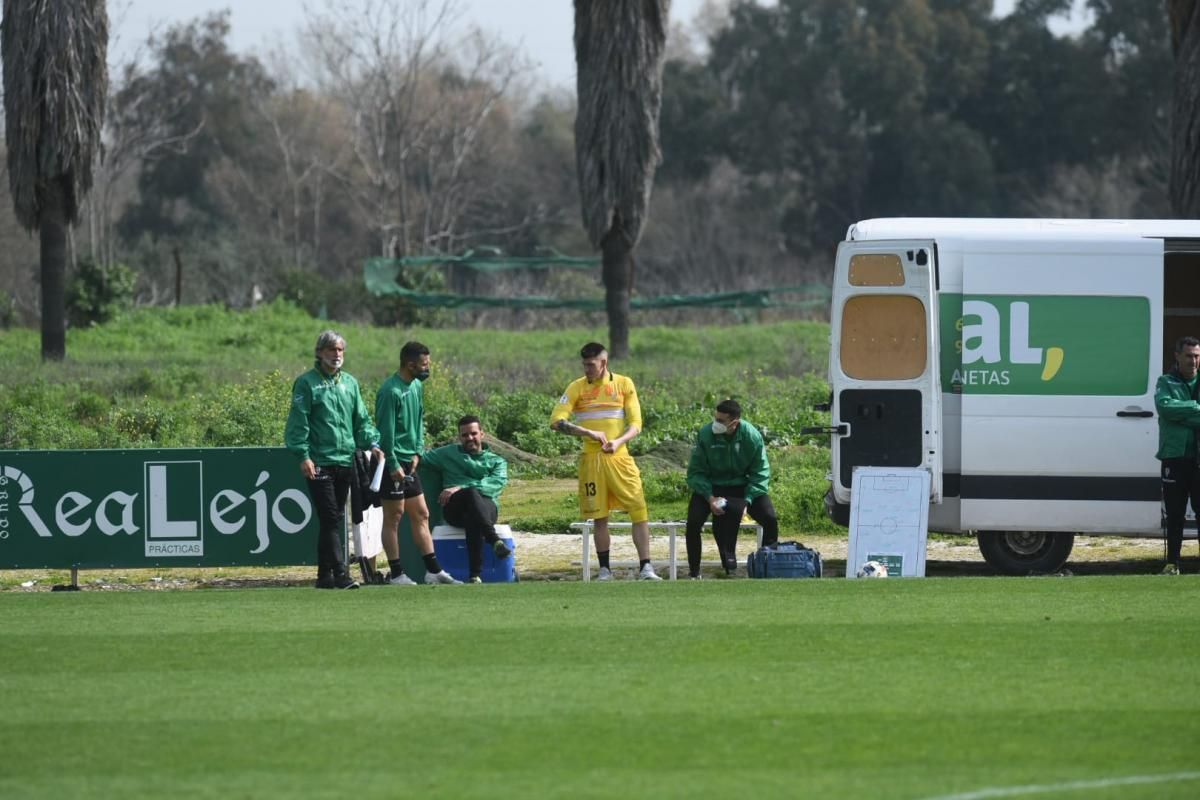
{"x":377,"y":478}
{"x":368,"y":535}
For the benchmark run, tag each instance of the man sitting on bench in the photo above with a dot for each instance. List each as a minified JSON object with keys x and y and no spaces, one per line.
{"x":728,"y":473}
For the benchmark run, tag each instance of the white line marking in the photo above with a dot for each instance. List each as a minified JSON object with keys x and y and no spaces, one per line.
{"x":1069,"y":786}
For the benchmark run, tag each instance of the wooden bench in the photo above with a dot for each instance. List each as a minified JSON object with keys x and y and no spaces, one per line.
{"x":672,"y":528}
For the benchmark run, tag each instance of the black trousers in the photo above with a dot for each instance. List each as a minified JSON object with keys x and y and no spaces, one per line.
{"x":475,"y":513}
{"x":328,"y":491}
{"x":1180,"y":481}
{"x":726,"y":526}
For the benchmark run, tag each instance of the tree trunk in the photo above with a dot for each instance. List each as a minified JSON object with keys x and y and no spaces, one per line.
{"x":178,"y":276}
{"x":617,"y":270}
{"x":52,"y":230}
{"x":1185,"y":115}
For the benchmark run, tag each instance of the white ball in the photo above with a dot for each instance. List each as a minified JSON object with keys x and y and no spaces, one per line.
{"x":872,"y":569}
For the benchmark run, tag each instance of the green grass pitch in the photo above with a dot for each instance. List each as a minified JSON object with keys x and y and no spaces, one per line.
{"x":830,"y":688}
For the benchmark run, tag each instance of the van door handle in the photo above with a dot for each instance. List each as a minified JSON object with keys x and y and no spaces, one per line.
{"x":837,"y":430}
{"x":1135,"y":413}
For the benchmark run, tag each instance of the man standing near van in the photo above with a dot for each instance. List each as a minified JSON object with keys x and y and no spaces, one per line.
{"x":1175,"y":397}
{"x":728,"y":472}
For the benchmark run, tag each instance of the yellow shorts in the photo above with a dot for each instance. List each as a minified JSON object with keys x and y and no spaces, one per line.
{"x":611,"y":482}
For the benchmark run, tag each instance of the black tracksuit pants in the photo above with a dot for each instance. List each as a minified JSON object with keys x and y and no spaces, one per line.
{"x":328,"y":491}
{"x":475,"y":513}
{"x":1180,"y":482}
{"x":726,"y":526}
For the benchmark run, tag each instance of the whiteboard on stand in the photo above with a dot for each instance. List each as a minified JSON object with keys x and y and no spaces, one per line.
{"x":889,"y":520}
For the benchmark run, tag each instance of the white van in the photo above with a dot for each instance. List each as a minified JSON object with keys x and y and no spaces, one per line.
{"x":1015,"y":360}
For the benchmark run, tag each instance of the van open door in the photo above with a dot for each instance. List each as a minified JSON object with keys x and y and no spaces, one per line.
{"x":883,"y":365}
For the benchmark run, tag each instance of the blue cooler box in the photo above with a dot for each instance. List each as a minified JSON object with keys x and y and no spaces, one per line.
{"x":450,"y":544}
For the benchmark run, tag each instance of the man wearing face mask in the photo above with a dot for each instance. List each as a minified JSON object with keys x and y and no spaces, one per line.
{"x":728,"y":473}
{"x":1175,"y":398}
{"x":400,"y":415}
{"x":326,"y":421}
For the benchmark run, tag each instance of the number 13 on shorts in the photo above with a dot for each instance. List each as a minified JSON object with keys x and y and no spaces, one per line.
{"x":608,"y":483}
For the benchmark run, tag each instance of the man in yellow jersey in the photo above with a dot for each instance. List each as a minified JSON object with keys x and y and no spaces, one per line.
{"x":608,"y":414}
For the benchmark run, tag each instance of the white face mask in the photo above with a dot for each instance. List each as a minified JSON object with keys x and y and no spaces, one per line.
{"x":332,"y":361}
{"x":719,"y":427}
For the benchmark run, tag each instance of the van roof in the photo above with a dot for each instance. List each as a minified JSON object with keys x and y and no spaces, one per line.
{"x":974,"y":229}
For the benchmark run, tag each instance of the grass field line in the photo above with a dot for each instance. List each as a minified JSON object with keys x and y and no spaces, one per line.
{"x":1070,"y":786}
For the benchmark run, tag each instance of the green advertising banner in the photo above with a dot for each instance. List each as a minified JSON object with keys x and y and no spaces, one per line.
{"x":154,"y":508}
{"x":1044,"y":344}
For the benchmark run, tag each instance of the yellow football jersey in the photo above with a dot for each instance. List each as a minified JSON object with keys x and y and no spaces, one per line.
{"x":609,"y":405}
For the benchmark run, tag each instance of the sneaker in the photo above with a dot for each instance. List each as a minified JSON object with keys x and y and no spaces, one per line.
{"x":344,"y":582}
{"x":324,"y":582}
{"x":475,"y":579}
{"x":440,"y":577}
{"x":647,"y":573}
{"x":400,"y":580}
{"x":605,"y":574}
{"x":501,"y":549}
{"x":1170,"y":569}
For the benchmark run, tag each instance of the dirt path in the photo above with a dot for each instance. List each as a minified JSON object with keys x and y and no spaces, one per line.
{"x":557,"y":556}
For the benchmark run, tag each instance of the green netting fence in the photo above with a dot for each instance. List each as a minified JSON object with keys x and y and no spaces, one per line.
{"x":381,"y":274}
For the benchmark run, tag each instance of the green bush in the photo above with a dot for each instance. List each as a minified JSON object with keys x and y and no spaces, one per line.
{"x":248,"y":414}
{"x":799,"y":481}
{"x":97,"y":294}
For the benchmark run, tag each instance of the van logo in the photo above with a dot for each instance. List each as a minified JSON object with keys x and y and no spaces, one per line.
{"x":982,"y":340}
{"x":1045,"y":345}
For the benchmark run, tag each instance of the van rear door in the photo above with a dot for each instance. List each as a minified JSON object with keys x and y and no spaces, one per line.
{"x":886,"y":409}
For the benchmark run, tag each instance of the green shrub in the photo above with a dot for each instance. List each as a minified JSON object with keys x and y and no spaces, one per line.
{"x":97,"y":294}
{"x":799,"y":481}
{"x":250,"y":414}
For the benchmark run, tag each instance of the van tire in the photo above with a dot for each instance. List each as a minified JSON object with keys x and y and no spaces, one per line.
{"x":1025,"y":552}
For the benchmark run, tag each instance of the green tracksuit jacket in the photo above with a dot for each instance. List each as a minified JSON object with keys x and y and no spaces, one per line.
{"x":400,"y":415}
{"x":1178,"y":416}
{"x":486,"y":471}
{"x":328,"y":419}
{"x":738,"y":459}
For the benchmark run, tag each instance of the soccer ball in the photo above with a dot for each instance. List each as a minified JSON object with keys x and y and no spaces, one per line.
{"x":872,"y":569}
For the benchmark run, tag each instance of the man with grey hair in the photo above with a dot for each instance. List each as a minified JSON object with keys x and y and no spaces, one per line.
{"x":327,"y":420}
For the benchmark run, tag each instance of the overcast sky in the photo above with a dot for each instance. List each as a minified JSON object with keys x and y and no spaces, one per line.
{"x":541,"y":29}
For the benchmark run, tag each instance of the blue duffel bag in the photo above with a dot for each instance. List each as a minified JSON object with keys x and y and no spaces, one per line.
{"x":784,"y":560}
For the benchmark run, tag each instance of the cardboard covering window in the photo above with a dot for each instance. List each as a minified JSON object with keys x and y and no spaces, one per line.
{"x":883,"y":337}
{"x":876,"y":269}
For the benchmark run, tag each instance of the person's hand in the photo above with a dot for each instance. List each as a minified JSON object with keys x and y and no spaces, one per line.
{"x":610,"y":447}
{"x":397,"y":474}
{"x":308,"y":469}
{"x":716,"y":505}
{"x":599,"y":437}
{"x":446,"y":494}
{"x":416,"y":462}
{"x":376,"y":455}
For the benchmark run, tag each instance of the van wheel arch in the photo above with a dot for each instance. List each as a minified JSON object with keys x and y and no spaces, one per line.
{"x":1025,"y":552}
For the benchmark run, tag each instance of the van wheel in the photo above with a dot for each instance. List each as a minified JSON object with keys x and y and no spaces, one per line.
{"x":1023,"y":552}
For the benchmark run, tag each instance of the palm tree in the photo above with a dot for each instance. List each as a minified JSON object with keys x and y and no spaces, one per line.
{"x":1185,"y":115}
{"x":619,"y":50}
{"x":55,"y":84}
